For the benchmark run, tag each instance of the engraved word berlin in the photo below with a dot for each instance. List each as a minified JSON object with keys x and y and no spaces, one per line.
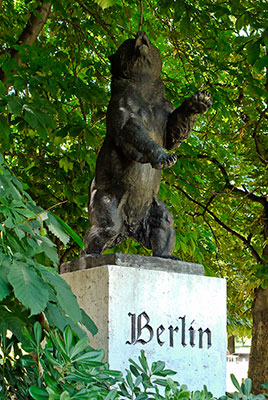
{"x":142,"y":332}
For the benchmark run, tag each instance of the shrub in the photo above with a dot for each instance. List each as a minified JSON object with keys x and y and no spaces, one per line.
{"x":30,"y":287}
{"x":65,"y":367}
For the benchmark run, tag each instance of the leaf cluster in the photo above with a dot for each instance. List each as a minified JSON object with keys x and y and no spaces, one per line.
{"x":64,"y":367}
{"x":30,"y":286}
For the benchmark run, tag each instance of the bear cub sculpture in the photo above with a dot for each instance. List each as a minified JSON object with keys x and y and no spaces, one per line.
{"x":140,"y":124}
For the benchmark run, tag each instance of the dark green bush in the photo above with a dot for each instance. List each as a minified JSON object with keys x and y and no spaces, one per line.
{"x":55,"y":366}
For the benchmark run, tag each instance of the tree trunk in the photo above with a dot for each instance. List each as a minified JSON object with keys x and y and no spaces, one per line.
{"x":231,"y":344}
{"x":30,"y":33}
{"x":258,"y":360}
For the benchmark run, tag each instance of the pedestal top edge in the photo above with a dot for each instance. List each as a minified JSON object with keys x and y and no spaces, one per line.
{"x":133,"y":261}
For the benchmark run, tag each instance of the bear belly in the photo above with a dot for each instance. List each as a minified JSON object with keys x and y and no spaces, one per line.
{"x":141,"y":183}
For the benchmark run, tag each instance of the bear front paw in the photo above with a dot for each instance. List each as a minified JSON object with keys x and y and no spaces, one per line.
{"x":165,"y":161}
{"x":198,"y":103}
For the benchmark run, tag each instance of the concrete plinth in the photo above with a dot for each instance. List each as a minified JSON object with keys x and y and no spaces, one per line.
{"x":165,"y":307}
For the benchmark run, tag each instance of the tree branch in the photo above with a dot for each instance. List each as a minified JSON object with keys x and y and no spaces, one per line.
{"x":141,"y":15}
{"x":100,"y":22}
{"x":89,"y":42}
{"x":65,"y":254}
{"x":217,"y":246}
{"x":223,"y":225}
{"x":254,"y":135}
{"x":250,"y":195}
{"x":30,"y":33}
{"x":35,"y":24}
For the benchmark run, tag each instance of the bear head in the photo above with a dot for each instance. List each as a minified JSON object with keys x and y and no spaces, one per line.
{"x":136,"y":58}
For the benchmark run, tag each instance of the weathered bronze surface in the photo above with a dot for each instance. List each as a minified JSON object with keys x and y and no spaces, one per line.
{"x":140,"y":122}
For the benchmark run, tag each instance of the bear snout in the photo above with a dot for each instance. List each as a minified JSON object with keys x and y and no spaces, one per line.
{"x":142,"y":43}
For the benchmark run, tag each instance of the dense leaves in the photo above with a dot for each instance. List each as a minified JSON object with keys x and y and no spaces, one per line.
{"x":29,"y":281}
{"x":65,"y":367}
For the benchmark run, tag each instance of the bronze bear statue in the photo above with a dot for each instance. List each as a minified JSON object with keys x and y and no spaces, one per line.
{"x":140,"y":122}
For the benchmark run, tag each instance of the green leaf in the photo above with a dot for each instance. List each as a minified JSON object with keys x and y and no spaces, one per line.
{"x":105,"y":3}
{"x":29,"y":336}
{"x":56,"y":228}
{"x":4,"y":130}
{"x":66,"y":298}
{"x":38,"y":393}
{"x":143,"y":361}
{"x":235,"y":383}
{"x":88,"y":323}
{"x":166,"y":372}
{"x":69,"y":230}
{"x":51,"y":359}
{"x":4,"y":284}
{"x":80,"y":346}
{"x":92,"y":356}
{"x":60,"y":346}
{"x":29,"y":288}
{"x":14,"y":105}
{"x":134,"y":370}
{"x":248,"y":386}
{"x":2,"y":89}
{"x":68,"y":338}
{"x":30,"y":117}
{"x":14,"y":321}
{"x":185,"y":25}
{"x":37,"y":333}
{"x":129,"y":380}
{"x":262,"y":62}
{"x":253,"y":51}
{"x":111,"y":395}
{"x":209,"y":272}
{"x":240,"y":22}
{"x":65,"y":396}
{"x":49,"y":249}
{"x":55,"y":316}
{"x":158,"y":367}
{"x":161,"y":382}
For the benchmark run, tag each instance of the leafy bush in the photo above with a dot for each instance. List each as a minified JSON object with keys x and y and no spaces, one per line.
{"x":67,"y":368}
{"x":30,"y":287}
{"x":244,"y":391}
{"x":29,"y":281}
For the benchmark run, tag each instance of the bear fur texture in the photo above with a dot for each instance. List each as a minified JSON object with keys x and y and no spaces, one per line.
{"x":140,"y":124}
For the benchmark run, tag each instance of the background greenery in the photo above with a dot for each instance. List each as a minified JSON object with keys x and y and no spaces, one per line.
{"x":54,"y":90}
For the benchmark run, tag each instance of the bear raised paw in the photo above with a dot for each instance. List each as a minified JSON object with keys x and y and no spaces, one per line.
{"x":141,"y":126}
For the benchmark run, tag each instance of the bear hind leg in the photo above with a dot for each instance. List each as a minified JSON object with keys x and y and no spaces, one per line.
{"x":157,"y":231}
{"x":106,"y":230}
{"x":162,"y":232}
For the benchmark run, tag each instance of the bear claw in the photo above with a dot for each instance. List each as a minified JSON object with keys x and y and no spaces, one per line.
{"x":199,"y":102}
{"x":166,"y":161}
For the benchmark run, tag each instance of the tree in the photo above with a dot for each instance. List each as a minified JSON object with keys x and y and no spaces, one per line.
{"x":55,"y":88}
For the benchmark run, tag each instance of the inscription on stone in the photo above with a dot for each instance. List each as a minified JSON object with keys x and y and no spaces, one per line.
{"x":175,"y":317}
{"x":184,"y":334}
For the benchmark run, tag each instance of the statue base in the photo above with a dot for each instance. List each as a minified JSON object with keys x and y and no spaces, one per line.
{"x":134,"y":261}
{"x":165,"y":307}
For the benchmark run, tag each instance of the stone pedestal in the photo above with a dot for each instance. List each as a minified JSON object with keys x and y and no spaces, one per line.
{"x":165,"y":307}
